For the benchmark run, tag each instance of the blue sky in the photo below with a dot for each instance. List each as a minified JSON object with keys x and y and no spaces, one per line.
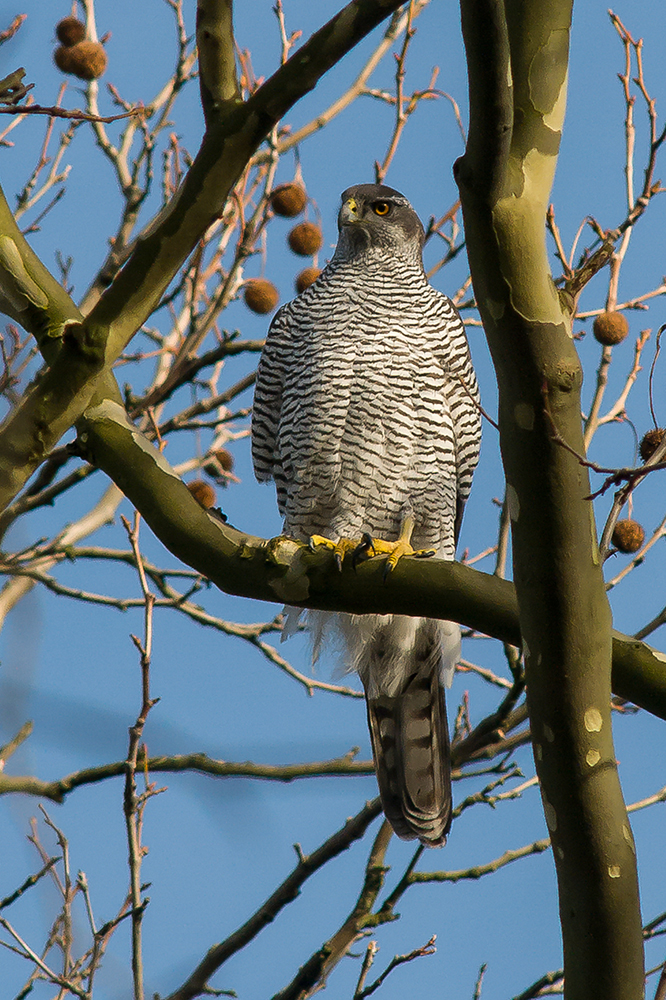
{"x":219,"y":848}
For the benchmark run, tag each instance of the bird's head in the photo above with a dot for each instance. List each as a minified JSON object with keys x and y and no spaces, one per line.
{"x":373,"y":215}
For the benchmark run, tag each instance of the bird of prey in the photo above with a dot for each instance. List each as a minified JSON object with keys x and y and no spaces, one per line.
{"x":366,"y":416}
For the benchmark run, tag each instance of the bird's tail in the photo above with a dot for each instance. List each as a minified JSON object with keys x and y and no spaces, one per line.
{"x":401,"y":668}
{"x":404,"y":664}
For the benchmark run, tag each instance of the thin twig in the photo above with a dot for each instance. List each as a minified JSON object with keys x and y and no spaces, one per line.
{"x":426,"y":949}
{"x":134,"y":804}
{"x":352,"y":830}
{"x":75,"y":115}
{"x":29,"y":882}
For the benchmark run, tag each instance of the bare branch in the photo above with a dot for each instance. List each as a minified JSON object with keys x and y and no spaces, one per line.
{"x":133,"y":805}
{"x":70,"y":115}
{"x":29,"y":882}
{"x":352,"y":830}
{"x":426,"y":949}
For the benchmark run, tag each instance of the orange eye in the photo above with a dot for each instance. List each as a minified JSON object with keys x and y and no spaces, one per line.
{"x":381,"y":208}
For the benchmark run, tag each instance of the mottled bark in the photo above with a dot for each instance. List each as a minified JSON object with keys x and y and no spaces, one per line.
{"x":218,"y":81}
{"x":517,"y":55}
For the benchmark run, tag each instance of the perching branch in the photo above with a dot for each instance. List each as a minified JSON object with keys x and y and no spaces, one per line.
{"x":286,"y":571}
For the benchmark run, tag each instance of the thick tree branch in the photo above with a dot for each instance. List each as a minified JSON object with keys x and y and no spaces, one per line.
{"x":517,"y":57}
{"x":32,"y":296}
{"x":217,"y":60}
{"x":289,"y":572}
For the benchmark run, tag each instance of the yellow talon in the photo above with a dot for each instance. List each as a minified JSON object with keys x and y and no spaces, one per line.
{"x":320,"y":540}
{"x":341,"y":548}
{"x":368,"y":546}
{"x":396,"y":550}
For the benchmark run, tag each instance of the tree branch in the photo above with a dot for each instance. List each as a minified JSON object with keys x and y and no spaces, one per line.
{"x":234,"y":132}
{"x":199,"y":762}
{"x":286,"y":571}
{"x":517,"y":55}
{"x":320,"y":965}
{"x":284,"y":894}
{"x":217,"y":60}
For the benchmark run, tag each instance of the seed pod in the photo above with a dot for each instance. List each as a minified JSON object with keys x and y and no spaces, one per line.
{"x":220,"y":462}
{"x":305,"y":239}
{"x":628,"y":535}
{"x":610,"y":328}
{"x":288,"y":200}
{"x":225,"y":458}
{"x":87,"y":60}
{"x":650,"y":442}
{"x":261,"y":296}
{"x":202,"y":492}
{"x":70,"y":30}
{"x":306,"y":278}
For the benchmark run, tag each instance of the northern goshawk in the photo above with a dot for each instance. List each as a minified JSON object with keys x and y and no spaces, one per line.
{"x":366,"y":415}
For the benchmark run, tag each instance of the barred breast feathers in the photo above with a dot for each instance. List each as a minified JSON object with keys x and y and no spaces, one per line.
{"x":322,"y":327}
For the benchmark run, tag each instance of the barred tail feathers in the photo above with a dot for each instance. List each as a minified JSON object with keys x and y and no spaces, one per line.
{"x":402,"y":665}
{"x":410,"y":745}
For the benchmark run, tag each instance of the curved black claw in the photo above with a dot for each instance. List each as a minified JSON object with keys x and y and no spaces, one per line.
{"x":425,"y":553}
{"x":361,"y":551}
{"x":387,"y":570}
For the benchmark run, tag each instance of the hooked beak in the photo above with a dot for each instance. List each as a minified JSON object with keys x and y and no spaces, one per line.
{"x":349,"y":213}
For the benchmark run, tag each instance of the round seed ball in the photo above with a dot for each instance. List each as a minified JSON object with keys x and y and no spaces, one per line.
{"x":261,"y":296}
{"x":288,"y":200}
{"x":202,"y":492}
{"x":650,"y":442}
{"x":610,"y":328}
{"x":220,"y":462}
{"x":225,"y":458}
{"x":70,"y":30}
{"x":306,"y":278}
{"x":305,"y":239}
{"x":628,"y":535}
{"x":87,"y":60}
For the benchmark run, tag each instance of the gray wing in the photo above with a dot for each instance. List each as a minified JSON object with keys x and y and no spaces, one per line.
{"x":462,"y":392}
{"x":268,"y":391}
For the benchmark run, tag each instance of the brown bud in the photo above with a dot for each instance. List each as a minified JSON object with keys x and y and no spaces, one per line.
{"x":87,"y":60}
{"x":650,"y":442}
{"x":306,"y":278}
{"x":610,"y":328}
{"x":225,"y":458}
{"x":628,"y":535}
{"x":202,"y":492}
{"x":288,"y":200}
{"x":70,"y":30}
{"x":305,"y":239}
{"x":260,"y":296}
{"x":219,"y":466}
